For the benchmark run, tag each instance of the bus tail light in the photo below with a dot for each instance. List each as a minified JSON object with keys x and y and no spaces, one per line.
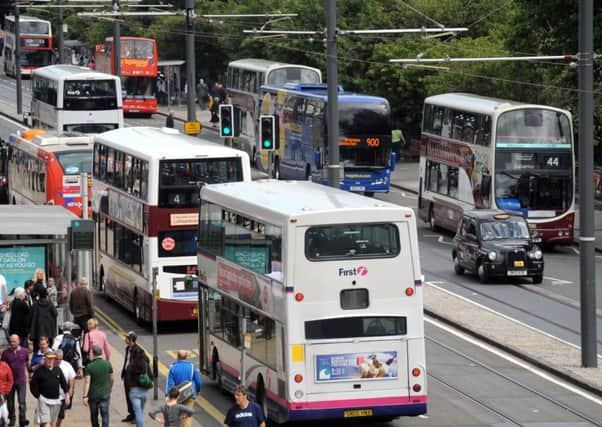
{"x":298,"y":378}
{"x":299,"y":297}
{"x":409,"y":291}
{"x":416,"y":388}
{"x":416,"y":372}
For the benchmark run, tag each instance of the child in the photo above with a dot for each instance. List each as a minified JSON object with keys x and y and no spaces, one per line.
{"x":170,"y":414}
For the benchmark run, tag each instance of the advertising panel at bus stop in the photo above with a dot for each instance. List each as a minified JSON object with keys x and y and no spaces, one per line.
{"x":19,"y":264}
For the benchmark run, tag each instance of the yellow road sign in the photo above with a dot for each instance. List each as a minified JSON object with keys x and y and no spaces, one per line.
{"x":192,"y":128}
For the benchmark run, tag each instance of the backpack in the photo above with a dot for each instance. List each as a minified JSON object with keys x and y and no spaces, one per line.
{"x":69,"y":348}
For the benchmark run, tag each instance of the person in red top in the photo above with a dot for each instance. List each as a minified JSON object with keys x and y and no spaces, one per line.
{"x":6,"y":385}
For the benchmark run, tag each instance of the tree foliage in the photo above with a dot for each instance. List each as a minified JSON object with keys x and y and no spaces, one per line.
{"x":495,"y":28}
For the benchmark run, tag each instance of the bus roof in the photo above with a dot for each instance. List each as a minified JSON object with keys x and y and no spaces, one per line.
{"x":255,"y":64}
{"x":298,"y":199}
{"x":51,"y":142}
{"x":151,"y":143}
{"x":320,"y":91}
{"x":26,"y":18}
{"x":71,"y":72}
{"x":479,"y":104}
{"x":130,"y":38}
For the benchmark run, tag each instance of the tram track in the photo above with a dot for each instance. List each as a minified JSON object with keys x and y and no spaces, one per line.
{"x":488,"y":406}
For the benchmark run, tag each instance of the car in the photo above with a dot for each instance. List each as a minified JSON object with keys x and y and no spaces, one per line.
{"x":497,"y":245}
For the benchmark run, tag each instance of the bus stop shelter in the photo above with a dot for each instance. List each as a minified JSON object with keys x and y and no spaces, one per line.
{"x":171,"y":70}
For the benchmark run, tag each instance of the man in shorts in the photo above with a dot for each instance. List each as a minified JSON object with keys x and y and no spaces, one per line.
{"x":46,"y":383}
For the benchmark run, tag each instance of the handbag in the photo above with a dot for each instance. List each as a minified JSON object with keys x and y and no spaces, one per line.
{"x":185,"y":388}
{"x":145,"y":381}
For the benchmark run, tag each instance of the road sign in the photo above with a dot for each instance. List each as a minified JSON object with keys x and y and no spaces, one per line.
{"x":81,"y":234}
{"x":192,"y":128}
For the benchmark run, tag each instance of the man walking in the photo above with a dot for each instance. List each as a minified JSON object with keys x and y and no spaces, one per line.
{"x":98,"y":383}
{"x":244,"y":413}
{"x":46,"y":383}
{"x":17,"y":358}
{"x":70,"y":347}
{"x":43,"y":319}
{"x":69,"y":374}
{"x":81,"y":305}
{"x":130,"y":342}
{"x":180,"y":371}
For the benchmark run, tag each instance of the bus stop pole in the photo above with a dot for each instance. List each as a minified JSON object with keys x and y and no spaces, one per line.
{"x":155,"y":333}
{"x":67,"y":313}
{"x":85,"y":254}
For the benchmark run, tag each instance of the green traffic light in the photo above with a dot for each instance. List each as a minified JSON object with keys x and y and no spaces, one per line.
{"x":267,"y":143}
{"x":226,"y":131}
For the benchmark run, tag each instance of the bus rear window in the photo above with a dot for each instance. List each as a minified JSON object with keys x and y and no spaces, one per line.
{"x":90,"y":95}
{"x":355,"y":327}
{"x":348,"y":241}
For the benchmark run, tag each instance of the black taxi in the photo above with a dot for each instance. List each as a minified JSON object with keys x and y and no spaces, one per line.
{"x":497,"y":245}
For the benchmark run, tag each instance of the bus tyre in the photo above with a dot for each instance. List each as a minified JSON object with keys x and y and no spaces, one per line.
{"x":308,"y":173}
{"x":537,"y":279}
{"x":137,"y":309}
{"x":276,"y":171}
{"x":369,"y":193}
{"x":432,"y":223}
{"x":457,"y":267}
{"x":482,"y":273}
{"x":260,"y":396}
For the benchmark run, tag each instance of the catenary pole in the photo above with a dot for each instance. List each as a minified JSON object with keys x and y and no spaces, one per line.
{"x":60,"y":39}
{"x":589,"y":348}
{"x":190,"y":65}
{"x":18,"y":60}
{"x":116,"y":41}
{"x":334,"y":168}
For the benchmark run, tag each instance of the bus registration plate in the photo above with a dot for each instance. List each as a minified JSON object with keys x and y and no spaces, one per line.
{"x":517,"y":272}
{"x":357,"y":188}
{"x":358,"y":413}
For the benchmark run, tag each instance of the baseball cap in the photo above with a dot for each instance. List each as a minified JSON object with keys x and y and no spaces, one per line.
{"x":50,"y":355}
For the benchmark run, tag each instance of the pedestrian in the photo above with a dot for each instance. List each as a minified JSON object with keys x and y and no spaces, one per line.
{"x":70,"y":375}
{"x":37,"y":360}
{"x":3,"y":299}
{"x":81,"y":305}
{"x":92,"y":64}
{"x":43,"y":319}
{"x":138,"y":364}
{"x":181,"y":371}
{"x":17,"y":358}
{"x":130,"y":342}
{"x":203,"y":94}
{"x":39,"y":283}
{"x":172,"y":413}
{"x":28,"y":291}
{"x":244,"y":413}
{"x":45,"y":385}
{"x":98,"y":383}
{"x":19,"y":317}
{"x":52,"y":292}
{"x":95,"y":337}
{"x":70,"y":347}
{"x":6,"y":385}
{"x":169,"y":122}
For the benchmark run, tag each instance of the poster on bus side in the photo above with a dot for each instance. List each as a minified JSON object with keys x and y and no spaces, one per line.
{"x":352,"y":366}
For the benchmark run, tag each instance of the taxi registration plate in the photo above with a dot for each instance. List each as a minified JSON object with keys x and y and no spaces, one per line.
{"x":519,"y":263}
{"x":517,"y":272}
{"x":358,"y":413}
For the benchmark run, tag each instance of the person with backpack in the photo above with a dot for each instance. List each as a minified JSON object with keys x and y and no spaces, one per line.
{"x":70,"y":347}
{"x":180,"y":372}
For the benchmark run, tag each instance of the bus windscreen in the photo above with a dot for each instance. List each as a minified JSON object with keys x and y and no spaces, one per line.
{"x":533,"y":126}
{"x":34,"y":28}
{"x":74,"y":163}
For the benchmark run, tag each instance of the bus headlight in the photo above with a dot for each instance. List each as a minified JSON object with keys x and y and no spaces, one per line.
{"x":492,"y":256}
{"x":536,"y":254}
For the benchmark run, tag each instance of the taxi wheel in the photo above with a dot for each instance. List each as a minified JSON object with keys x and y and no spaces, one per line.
{"x":457,"y":267}
{"x":537,"y":279}
{"x":482,"y":273}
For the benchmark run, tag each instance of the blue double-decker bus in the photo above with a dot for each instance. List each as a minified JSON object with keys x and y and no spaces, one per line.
{"x":364,"y":136}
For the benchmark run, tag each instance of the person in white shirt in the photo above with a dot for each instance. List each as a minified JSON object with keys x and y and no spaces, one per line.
{"x":69,"y":375}
{"x":77,"y":363}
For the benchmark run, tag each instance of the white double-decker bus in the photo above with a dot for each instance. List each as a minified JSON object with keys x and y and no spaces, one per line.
{"x":70,"y":98}
{"x":245,"y":77}
{"x":312,"y":298}
{"x":146,"y":185}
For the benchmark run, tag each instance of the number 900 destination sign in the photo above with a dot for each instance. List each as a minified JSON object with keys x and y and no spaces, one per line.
{"x":373,"y":142}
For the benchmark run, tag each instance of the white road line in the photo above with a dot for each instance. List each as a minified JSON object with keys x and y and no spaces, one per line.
{"x":441,"y":239}
{"x":520,"y":363}
{"x":558,"y":282}
{"x":575,"y":250}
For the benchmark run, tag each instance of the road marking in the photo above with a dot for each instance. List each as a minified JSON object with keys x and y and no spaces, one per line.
{"x":558,"y":282}
{"x":514,"y":360}
{"x":163,"y":370}
{"x":575,"y":250}
{"x":441,"y":239}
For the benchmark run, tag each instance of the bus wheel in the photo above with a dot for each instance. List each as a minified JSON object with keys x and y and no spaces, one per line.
{"x":137,"y":309}
{"x":260,"y":398}
{"x":102,"y":282}
{"x":308,"y":173}
{"x":369,"y":193}
{"x":482,"y":273}
{"x":457,"y":267}
{"x":432,"y":223}
{"x":537,"y":279}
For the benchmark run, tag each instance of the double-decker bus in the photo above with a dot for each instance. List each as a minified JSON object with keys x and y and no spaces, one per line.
{"x":364,"y":136}
{"x":244,"y":80}
{"x":139,"y":71}
{"x":70,"y":98}
{"x":312,"y":298}
{"x":146,"y":184}
{"x":479,"y":152}
{"x":36,"y":44}
{"x":45,"y":169}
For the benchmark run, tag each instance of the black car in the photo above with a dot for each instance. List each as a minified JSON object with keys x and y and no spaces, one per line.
{"x":497,"y":245}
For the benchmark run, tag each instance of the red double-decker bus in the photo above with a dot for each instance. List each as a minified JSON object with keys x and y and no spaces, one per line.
{"x":139,"y":71}
{"x":36,"y":44}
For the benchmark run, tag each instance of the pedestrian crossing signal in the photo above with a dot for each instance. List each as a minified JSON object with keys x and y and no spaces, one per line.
{"x":226,"y":121}
{"x":267,"y":132}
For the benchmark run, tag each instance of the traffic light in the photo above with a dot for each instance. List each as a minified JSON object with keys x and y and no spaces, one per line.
{"x":226,"y":120}
{"x":267,"y":132}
